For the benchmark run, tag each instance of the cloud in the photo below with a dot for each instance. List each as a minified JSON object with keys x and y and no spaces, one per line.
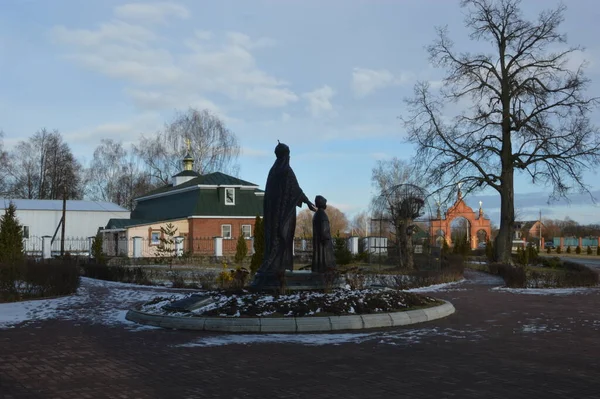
{"x":156,"y":77}
{"x":319,"y":101}
{"x":366,"y":81}
{"x":151,"y":12}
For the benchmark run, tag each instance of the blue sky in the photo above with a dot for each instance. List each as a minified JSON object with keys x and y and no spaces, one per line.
{"x":326,"y":77}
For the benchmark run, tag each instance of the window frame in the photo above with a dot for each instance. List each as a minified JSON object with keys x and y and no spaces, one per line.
{"x":249,"y":233}
{"x":232,"y":190}
{"x":223,"y":231}
{"x":157,"y":242}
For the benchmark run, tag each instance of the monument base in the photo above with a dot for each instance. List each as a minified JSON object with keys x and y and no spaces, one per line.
{"x":292,"y":281}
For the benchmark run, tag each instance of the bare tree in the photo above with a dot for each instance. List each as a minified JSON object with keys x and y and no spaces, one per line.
{"x":338,"y":222}
{"x":528,"y":110}
{"x":213,"y":146}
{"x":4,"y":167}
{"x":360,"y":224}
{"x":45,"y":168}
{"x":114,"y":175}
{"x":399,"y":203}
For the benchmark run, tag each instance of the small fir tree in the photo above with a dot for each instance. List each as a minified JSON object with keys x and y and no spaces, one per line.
{"x":241,"y":249}
{"x":445,"y":248}
{"x":578,"y":250}
{"x":11,"y":237}
{"x":558,"y":250}
{"x":568,"y":249}
{"x":589,"y":250}
{"x":342,"y":254}
{"x":259,"y":245}
{"x":167,"y":248}
{"x":97,"y":252}
{"x":598,"y":250}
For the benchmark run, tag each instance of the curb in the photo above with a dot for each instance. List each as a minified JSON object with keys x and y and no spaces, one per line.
{"x":292,"y":324}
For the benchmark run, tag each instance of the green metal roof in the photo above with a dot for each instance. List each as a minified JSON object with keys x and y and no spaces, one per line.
{"x":187,"y":173}
{"x":124,"y":223}
{"x":211,"y":179}
{"x":200,"y":202}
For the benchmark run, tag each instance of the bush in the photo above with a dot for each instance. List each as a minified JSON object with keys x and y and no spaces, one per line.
{"x":568,"y":249}
{"x":241,"y":250}
{"x":553,"y":263}
{"x":578,"y":250}
{"x":489,"y":251}
{"x":548,"y":250}
{"x":33,"y":279}
{"x":589,"y":250}
{"x":558,"y":249}
{"x":342,"y":254}
{"x":598,"y":250}
{"x":514,"y":277}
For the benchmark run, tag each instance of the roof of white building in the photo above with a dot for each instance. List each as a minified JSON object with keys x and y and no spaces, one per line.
{"x":56,"y":205}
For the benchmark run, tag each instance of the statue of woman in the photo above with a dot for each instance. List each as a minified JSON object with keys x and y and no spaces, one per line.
{"x":323,"y":255}
{"x":282,"y":196}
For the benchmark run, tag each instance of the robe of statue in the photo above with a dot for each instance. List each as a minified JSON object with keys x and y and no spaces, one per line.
{"x":282,"y":196}
{"x":323,"y":255}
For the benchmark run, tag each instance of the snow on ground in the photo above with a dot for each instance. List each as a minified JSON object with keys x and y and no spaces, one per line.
{"x":547,"y":291}
{"x":397,"y":337}
{"x":96,"y":302}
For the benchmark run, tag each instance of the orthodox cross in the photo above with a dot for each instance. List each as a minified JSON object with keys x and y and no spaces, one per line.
{"x":188,"y":143}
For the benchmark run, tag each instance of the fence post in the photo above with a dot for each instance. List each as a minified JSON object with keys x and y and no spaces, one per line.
{"x":353,"y":245}
{"x":179,"y":245}
{"x":46,"y":247}
{"x":137,"y":247}
{"x":218,"y":246}
{"x":90,"y":245}
{"x":252,"y":249}
{"x":294,"y":246}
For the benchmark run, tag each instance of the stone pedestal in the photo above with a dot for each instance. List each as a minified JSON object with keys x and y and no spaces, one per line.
{"x":293,"y":281}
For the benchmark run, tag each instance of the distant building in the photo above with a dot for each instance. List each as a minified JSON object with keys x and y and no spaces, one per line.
{"x":201,"y":207}
{"x":528,"y":230}
{"x":42,"y":218}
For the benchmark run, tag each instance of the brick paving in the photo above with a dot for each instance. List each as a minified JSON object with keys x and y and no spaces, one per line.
{"x":497,"y":345}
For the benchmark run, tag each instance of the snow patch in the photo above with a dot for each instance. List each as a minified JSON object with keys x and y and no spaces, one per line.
{"x":436,"y":287}
{"x":546,"y":291}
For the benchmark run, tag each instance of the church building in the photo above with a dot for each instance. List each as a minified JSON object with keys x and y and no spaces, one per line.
{"x":200,"y":207}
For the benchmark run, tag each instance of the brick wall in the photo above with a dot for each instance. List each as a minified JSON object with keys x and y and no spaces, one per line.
{"x":200,"y":229}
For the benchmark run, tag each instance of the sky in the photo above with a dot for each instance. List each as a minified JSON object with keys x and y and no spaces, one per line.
{"x":328,"y":78}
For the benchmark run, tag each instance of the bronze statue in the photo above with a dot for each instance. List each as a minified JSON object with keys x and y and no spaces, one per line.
{"x":323,"y":255}
{"x":282,"y":196}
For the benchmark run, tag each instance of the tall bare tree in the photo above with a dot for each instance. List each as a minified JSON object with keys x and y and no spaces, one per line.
{"x":528,"y":111}
{"x":115,"y":175}
{"x":213,"y":146}
{"x":4,"y":168}
{"x":44,"y":167}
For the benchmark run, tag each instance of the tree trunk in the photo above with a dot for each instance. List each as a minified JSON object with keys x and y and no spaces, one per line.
{"x":503,"y":244}
{"x":405,"y":246}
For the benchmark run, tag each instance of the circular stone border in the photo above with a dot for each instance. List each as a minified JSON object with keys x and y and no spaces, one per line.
{"x":292,"y":324}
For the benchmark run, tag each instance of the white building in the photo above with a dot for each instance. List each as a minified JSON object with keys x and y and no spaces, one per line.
{"x":42,"y":218}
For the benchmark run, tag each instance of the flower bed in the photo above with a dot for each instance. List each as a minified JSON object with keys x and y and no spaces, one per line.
{"x":336,"y":303}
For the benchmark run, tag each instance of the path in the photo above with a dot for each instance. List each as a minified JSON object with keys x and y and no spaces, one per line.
{"x":499,"y":344}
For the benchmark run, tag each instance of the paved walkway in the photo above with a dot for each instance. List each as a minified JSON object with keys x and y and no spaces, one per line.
{"x":498,"y":344}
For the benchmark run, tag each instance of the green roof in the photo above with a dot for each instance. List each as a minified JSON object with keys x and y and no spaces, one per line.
{"x":124,"y":223}
{"x":201,"y":202}
{"x":211,"y":179}
{"x":187,"y":173}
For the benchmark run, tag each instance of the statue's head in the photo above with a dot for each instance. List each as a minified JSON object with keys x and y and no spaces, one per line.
{"x":320,"y":202}
{"x":282,"y":150}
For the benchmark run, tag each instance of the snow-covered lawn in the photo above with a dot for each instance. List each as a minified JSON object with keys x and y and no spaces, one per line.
{"x":96,"y":302}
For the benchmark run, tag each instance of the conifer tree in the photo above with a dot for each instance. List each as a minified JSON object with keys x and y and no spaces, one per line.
{"x":11,"y":237}
{"x":241,"y":249}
